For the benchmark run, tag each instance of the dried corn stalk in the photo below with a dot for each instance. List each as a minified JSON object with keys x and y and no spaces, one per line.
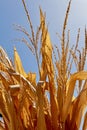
{"x":24,"y":104}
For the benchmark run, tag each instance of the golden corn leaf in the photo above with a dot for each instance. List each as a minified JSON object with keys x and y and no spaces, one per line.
{"x":48,"y":69}
{"x":32,"y":78}
{"x":23,"y":81}
{"x":25,"y":113}
{"x":76,"y":113}
{"x":85,"y":122}
{"x":82,"y":75}
{"x":73,"y":98}
{"x":76,"y":109}
{"x":3,"y":67}
{"x":80,"y":105}
{"x":46,"y":48}
{"x":4,"y":58}
{"x":6,"y":79}
{"x":41,"y":125}
{"x":1,"y":126}
{"x":7,"y":109}
{"x":18,"y":64}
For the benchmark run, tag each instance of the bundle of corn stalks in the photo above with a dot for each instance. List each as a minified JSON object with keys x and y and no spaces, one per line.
{"x":24,"y":104}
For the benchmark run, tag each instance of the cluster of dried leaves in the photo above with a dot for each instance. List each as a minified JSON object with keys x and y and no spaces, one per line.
{"x":24,"y":104}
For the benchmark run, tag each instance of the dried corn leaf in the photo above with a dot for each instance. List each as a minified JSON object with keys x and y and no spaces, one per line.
{"x":41,"y":125}
{"x":82,"y":75}
{"x":47,"y":68}
{"x":81,"y":105}
{"x":4,"y":58}
{"x":85,"y":122}
{"x":46,"y":48}
{"x":25,"y":83}
{"x":6,"y":79}
{"x":76,"y":113}
{"x":2,"y":127}
{"x":25,"y":117}
{"x":60,"y":97}
{"x":18,"y":64}
{"x":3,"y":67}
{"x":32,"y":78}
{"x":7,"y":109}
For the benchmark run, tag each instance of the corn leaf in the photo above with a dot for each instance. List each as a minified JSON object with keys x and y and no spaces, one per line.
{"x":46,"y":48}
{"x":47,"y":68}
{"x":4,"y":58}
{"x":71,"y":85}
{"x":32,"y":78}
{"x":18,"y":64}
{"x":25,"y":83}
{"x":85,"y":122}
{"x":41,"y":125}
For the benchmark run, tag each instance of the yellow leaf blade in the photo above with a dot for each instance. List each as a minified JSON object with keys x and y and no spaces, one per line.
{"x":41,"y":125}
{"x":18,"y":64}
{"x":82,"y":75}
{"x":32,"y":78}
{"x":85,"y":122}
{"x":46,"y":48}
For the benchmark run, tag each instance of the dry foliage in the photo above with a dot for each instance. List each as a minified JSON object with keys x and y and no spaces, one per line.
{"x":24,"y":104}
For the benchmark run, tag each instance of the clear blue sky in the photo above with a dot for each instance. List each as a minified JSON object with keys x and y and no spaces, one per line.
{"x":12,"y":12}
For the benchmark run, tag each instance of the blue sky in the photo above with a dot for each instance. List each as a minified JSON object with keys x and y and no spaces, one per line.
{"x":12,"y":12}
